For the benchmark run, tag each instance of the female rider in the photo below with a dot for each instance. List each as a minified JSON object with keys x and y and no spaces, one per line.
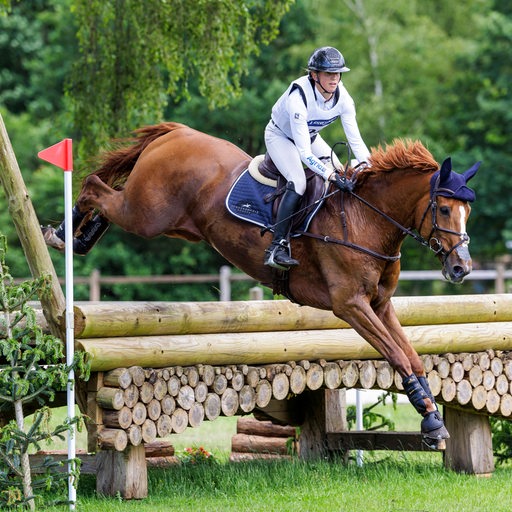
{"x":292,"y":138}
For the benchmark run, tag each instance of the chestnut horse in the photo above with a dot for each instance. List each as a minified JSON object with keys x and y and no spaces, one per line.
{"x":173,"y":180}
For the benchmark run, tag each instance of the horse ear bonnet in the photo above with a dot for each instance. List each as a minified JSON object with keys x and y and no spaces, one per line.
{"x":447,"y":183}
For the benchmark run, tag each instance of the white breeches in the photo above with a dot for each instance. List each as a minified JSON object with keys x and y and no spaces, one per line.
{"x":286,"y":157}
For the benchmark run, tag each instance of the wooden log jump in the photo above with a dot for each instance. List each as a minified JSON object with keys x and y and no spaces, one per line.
{"x":127,"y":319}
{"x":280,"y":346}
{"x":159,"y":368}
{"x":265,"y":332}
{"x":174,"y":398}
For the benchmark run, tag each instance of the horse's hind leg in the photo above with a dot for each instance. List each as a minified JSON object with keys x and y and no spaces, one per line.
{"x":89,"y":235}
{"x":56,"y":238}
{"x":90,"y":231}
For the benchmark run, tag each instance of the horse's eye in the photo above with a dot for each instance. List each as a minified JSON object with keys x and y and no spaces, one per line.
{"x":445,"y":210}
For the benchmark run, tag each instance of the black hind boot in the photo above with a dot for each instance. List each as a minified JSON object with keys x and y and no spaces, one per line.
{"x":278,"y":253}
{"x":56,"y":238}
{"x":76,"y":219}
{"x":91,"y":232}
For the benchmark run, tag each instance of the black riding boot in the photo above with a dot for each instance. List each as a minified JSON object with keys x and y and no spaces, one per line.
{"x":278,"y":253}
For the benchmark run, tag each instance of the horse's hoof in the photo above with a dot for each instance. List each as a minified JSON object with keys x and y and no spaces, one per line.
{"x":434,"y":444}
{"x":51,"y":239}
{"x":433,"y":431}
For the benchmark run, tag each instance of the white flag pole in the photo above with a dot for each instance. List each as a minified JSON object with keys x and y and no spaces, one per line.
{"x":70,"y":334}
{"x":61,"y":154}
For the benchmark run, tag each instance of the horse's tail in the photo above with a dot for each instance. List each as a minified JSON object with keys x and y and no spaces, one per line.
{"x":116,"y":165}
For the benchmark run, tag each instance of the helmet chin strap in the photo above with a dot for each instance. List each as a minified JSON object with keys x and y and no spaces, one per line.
{"x":317,"y":81}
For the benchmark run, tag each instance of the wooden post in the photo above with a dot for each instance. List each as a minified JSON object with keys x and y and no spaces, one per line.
{"x":95,"y":286}
{"x":225,"y":283}
{"x":325,"y":412}
{"x":122,"y":472}
{"x":256,"y":293}
{"x":469,"y":449}
{"x":29,"y":233}
{"x":499,"y":283}
{"x":93,"y":412}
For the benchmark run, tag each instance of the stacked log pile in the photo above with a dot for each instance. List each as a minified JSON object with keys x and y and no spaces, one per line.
{"x":139,"y":405}
{"x":256,"y":439}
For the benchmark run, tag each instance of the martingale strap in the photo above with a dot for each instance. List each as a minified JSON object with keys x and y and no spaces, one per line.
{"x":346,"y":243}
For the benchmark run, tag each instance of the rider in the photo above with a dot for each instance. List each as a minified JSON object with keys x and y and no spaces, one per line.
{"x":292,"y":138}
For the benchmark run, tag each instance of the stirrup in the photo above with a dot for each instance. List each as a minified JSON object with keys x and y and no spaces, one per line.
{"x":278,"y":256}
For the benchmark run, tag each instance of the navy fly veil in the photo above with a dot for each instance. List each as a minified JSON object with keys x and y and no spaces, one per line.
{"x":451,"y":184}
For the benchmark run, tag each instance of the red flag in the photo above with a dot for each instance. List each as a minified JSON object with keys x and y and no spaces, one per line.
{"x":60,"y":154}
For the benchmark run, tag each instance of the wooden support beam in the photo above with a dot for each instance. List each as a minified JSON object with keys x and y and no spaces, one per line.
{"x":375,"y":440}
{"x":29,"y":233}
{"x":325,"y":411}
{"x":123,"y":473}
{"x":469,"y":449}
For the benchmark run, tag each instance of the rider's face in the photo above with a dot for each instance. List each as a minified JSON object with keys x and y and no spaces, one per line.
{"x":329,"y":81}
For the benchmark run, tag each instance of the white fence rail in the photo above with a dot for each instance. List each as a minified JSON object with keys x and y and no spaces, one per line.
{"x":226,"y":276}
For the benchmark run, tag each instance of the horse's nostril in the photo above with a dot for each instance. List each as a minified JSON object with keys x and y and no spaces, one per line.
{"x":459,"y":272}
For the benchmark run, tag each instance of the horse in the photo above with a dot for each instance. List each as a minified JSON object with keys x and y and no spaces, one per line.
{"x":172,"y":180}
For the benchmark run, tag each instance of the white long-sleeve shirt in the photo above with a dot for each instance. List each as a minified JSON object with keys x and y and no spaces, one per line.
{"x":301,"y":112}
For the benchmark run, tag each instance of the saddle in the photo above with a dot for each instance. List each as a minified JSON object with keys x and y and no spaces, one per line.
{"x":268,"y":173}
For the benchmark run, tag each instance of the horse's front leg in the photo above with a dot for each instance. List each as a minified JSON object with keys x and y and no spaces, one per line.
{"x":416,"y":384}
{"x":397,"y":350}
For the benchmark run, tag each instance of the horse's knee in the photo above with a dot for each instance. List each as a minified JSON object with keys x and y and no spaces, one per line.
{"x":417,"y":365}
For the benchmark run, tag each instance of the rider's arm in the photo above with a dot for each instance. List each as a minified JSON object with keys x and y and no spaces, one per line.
{"x":351,"y":129}
{"x":300,"y":133}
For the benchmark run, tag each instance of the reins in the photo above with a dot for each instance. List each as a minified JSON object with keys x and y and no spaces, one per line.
{"x":431,"y":242}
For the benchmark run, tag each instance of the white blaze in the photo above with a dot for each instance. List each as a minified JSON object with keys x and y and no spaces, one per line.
{"x":462,"y":229}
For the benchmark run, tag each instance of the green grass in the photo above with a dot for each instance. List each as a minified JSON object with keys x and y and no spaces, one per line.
{"x":395,"y":484}
{"x":387,"y":481}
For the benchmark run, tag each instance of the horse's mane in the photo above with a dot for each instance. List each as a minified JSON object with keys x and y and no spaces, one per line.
{"x":115,"y":165}
{"x":402,"y":154}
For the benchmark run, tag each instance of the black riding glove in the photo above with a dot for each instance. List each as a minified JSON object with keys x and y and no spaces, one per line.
{"x":344,"y":184}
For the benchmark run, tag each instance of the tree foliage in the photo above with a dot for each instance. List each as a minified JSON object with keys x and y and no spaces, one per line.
{"x":31,"y":370}
{"x":437,"y":71}
{"x":482,"y":123}
{"x":133,"y":54}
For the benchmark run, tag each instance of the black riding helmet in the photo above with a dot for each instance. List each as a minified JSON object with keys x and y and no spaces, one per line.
{"x":327,"y":59}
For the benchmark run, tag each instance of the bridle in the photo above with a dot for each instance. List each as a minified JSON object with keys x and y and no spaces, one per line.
{"x":431,"y":241}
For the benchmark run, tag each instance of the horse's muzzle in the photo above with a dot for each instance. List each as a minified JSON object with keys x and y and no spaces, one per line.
{"x":457,"y":265}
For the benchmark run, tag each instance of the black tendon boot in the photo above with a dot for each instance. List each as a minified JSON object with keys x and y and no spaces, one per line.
{"x":432,"y":425}
{"x":76,"y":219}
{"x":91,"y":232}
{"x":278,"y":253}
{"x":56,"y":238}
